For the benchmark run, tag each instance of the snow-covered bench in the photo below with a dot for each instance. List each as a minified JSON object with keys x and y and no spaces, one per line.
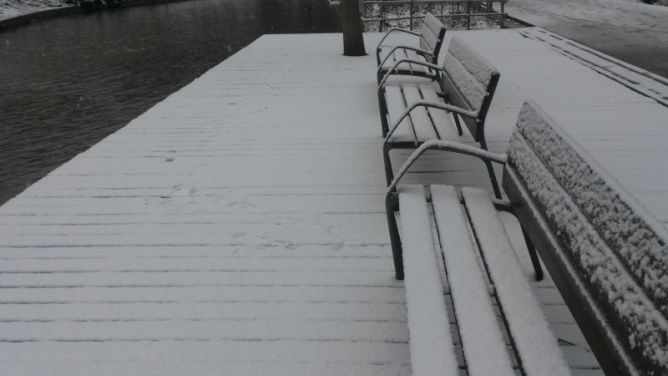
{"x":430,"y":41}
{"x":419,"y":110}
{"x":605,"y":253}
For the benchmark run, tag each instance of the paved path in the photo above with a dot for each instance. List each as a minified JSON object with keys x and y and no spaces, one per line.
{"x":631,"y":31}
{"x":238,"y":227}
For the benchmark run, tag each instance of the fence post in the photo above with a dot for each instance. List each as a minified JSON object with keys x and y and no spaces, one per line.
{"x":468,"y":19}
{"x":410,"y":14}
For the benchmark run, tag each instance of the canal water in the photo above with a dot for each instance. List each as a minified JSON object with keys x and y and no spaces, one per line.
{"x":67,"y":82}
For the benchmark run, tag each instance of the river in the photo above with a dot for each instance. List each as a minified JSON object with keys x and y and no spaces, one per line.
{"x":67,"y":82}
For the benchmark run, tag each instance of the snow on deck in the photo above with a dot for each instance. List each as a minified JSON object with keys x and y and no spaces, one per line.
{"x":238,"y":227}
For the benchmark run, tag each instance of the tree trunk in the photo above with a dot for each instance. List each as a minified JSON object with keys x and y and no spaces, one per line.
{"x":353,"y":42}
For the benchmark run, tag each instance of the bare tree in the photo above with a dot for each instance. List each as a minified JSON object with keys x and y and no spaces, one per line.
{"x":353,"y":42}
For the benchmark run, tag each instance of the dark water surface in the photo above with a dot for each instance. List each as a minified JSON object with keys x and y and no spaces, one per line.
{"x":68,"y":82}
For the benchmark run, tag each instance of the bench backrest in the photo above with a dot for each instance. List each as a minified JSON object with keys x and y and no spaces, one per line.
{"x":432,"y":33}
{"x":469,"y":81}
{"x":605,"y":252}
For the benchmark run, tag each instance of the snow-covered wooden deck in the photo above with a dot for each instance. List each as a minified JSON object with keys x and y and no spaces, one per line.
{"x":238,"y":227}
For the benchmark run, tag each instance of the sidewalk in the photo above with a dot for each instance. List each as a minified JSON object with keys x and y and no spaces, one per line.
{"x":627,"y":29}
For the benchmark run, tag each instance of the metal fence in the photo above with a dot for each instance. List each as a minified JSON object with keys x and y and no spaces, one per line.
{"x":378,"y":15}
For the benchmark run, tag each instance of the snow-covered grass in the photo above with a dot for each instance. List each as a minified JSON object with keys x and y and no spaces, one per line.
{"x":14,"y":8}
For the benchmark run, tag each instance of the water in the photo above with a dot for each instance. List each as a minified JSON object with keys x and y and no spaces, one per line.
{"x":68,"y":82}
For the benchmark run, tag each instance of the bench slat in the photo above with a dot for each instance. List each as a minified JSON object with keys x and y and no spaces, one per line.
{"x":443,"y":121}
{"x":615,"y":250}
{"x":396,"y":106}
{"x":642,"y":243}
{"x":476,"y":64}
{"x":473,"y":91}
{"x":432,"y":24}
{"x":419,"y":69}
{"x":432,"y":350}
{"x":404,"y":54}
{"x":481,"y":334}
{"x":537,"y":346}
{"x":429,"y":39}
{"x":424,"y":129}
{"x":441,"y":127}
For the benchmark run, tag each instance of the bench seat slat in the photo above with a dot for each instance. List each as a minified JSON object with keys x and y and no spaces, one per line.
{"x":396,"y":106}
{"x":443,"y":121}
{"x":424,"y":128}
{"x":481,"y":334}
{"x":537,"y":347}
{"x":438,"y":126}
{"x":432,"y":350}
{"x":403,"y":54}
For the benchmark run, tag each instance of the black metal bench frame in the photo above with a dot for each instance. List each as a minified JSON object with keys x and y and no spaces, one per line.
{"x":614,"y":334}
{"x":454,"y":102}
{"x":392,"y":202}
{"x":431,"y":37}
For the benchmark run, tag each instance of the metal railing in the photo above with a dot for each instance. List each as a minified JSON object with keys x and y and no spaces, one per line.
{"x":408,"y":13}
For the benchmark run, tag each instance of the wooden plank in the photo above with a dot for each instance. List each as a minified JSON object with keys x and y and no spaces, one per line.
{"x":432,"y":351}
{"x":481,"y":334}
{"x":535,"y":343}
{"x":233,"y":147}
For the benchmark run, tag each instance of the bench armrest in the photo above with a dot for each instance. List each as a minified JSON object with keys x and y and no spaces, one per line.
{"x":392,"y":30}
{"x":396,"y":65}
{"x":452,"y":146}
{"x":441,"y":106}
{"x":419,"y":51}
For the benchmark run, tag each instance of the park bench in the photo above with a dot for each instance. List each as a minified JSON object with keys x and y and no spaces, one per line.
{"x":430,"y":41}
{"x":420,"y":110}
{"x":605,"y":253}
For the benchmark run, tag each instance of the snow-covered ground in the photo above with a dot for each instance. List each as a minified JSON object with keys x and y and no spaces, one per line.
{"x":626,"y":29}
{"x":238,"y":227}
{"x":15,"y":8}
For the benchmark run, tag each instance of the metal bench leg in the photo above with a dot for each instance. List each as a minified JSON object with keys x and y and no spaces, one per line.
{"x":397,"y":252}
{"x":382,"y":106}
{"x":490,"y":169}
{"x":535,"y":261}
{"x":380,"y":74}
{"x":389,"y":174}
{"x":492,"y":178}
{"x":458,"y":124}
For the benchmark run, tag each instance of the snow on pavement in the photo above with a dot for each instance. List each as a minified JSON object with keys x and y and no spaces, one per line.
{"x":629,"y":30}
{"x":239,"y":225}
{"x":639,"y":80}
